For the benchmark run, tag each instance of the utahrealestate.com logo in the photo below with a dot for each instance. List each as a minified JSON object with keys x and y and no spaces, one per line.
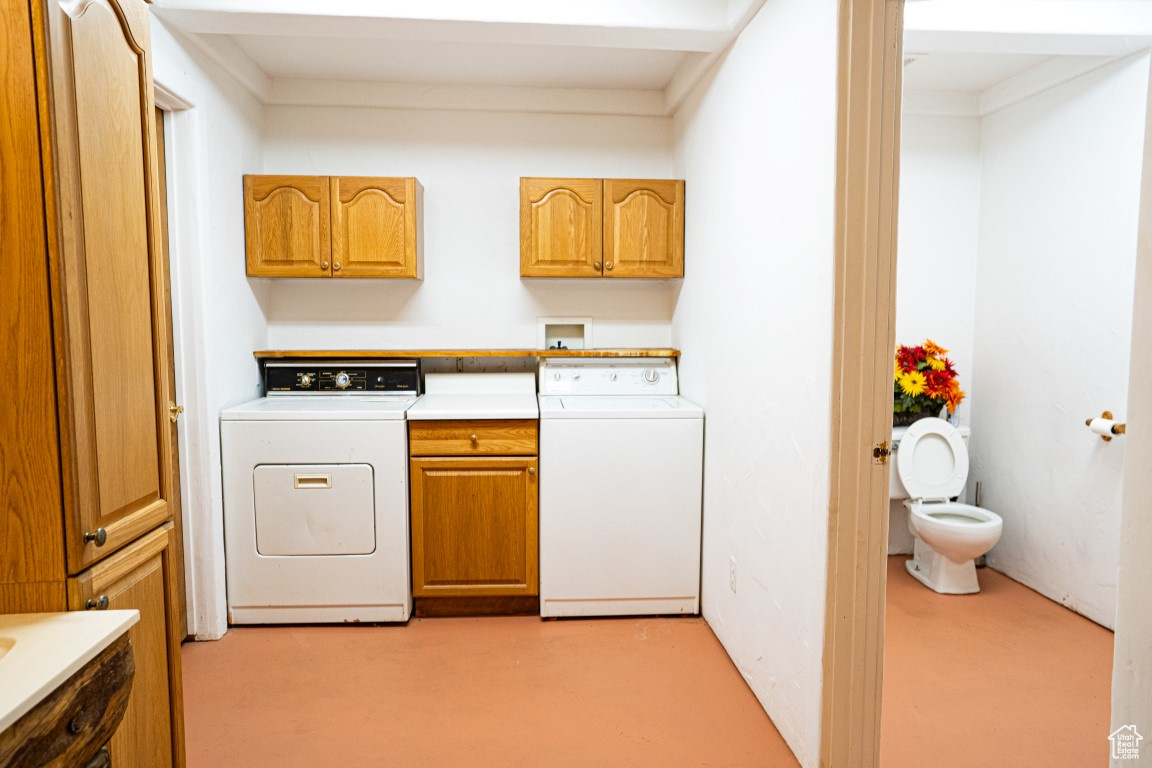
{"x":1125,"y":743}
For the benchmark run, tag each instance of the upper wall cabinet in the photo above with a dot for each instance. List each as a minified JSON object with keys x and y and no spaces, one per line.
{"x":601,"y":227}
{"x":339,"y":226}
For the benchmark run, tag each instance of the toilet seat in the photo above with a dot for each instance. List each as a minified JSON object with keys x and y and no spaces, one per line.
{"x":932,"y":461}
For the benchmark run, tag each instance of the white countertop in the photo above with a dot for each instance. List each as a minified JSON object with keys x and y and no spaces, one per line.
{"x":39,"y":651}
{"x":477,"y":396}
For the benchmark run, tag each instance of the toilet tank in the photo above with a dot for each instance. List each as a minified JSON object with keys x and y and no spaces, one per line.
{"x":896,"y":489}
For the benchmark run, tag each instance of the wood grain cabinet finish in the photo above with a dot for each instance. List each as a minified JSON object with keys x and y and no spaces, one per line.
{"x":287,"y":224}
{"x":140,"y":576}
{"x":474,"y":509}
{"x":333,"y":226}
{"x":631,"y":228}
{"x":87,"y":453}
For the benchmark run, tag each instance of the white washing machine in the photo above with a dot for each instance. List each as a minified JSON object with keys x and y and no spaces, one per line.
{"x":621,"y":463}
{"x":316,"y":494}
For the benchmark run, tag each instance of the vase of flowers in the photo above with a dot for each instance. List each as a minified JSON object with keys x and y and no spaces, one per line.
{"x":925,"y":384}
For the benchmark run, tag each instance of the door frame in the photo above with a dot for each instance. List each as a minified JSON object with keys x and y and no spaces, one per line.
{"x":1132,"y":662}
{"x":868,"y":128}
{"x":867,"y":176}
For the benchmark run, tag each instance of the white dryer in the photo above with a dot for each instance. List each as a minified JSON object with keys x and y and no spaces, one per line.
{"x":621,"y":463}
{"x":316,"y":494}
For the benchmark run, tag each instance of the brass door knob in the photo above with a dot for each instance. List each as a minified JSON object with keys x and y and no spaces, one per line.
{"x":475,"y":440}
{"x":597,"y":265}
{"x":336,"y":266}
{"x":323,"y":265}
{"x":607,"y":265}
{"x":531,"y":470}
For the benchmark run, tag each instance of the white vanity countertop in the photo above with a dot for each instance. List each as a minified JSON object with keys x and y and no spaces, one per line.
{"x":477,"y":396}
{"x":39,"y":651}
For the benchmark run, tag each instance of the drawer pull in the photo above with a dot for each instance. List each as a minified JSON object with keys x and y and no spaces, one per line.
{"x":99,"y":604}
{"x":100,"y":537}
{"x":311,"y":482}
{"x":475,"y":440}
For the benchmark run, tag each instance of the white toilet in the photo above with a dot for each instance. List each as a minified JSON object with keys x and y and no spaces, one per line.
{"x":932,"y":464}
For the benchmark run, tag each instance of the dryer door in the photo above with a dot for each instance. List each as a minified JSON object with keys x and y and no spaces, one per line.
{"x":314,"y":509}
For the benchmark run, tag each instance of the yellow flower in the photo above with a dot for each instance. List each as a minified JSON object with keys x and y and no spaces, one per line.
{"x":936,"y":364}
{"x":933,"y":349}
{"x":899,"y":370}
{"x":912,"y":383}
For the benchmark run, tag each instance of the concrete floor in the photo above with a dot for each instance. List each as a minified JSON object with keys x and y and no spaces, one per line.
{"x":1003,"y":677}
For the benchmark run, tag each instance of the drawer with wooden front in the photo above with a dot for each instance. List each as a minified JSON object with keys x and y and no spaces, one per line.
{"x":510,"y":437}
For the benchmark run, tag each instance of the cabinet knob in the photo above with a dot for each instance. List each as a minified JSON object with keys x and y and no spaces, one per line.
{"x":597,"y":265}
{"x":100,"y":537}
{"x":100,"y":604}
{"x":335,"y":266}
{"x":323,"y":265}
{"x":531,"y":470}
{"x":475,"y":440}
{"x":607,"y":265}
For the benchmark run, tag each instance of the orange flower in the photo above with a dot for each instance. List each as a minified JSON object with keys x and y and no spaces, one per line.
{"x":934,"y":349}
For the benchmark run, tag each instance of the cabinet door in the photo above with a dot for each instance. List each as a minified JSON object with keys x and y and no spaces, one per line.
{"x":109,"y":277}
{"x":151,"y":735}
{"x":560,"y":227}
{"x":474,"y":527}
{"x":376,"y":227}
{"x":643,"y":228}
{"x":286,"y":226}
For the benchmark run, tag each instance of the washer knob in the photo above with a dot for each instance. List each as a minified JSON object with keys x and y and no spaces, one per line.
{"x":651,"y":375}
{"x":343,"y":380}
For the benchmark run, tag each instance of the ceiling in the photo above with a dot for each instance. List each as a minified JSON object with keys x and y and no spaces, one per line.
{"x":605,"y":56}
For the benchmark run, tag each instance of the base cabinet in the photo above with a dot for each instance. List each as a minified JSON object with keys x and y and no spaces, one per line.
{"x":140,"y":576}
{"x":474,"y":526}
{"x":475,"y":521}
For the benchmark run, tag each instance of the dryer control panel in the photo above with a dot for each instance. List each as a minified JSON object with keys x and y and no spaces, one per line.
{"x":334,"y":377}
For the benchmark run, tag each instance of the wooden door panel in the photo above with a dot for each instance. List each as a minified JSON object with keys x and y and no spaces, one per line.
{"x":643,"y":228}
{"x":560,"y":227}
{"x":286,"y":226}
{"x":474,"y":526}
{"x":115,"y":366}
{"x":376,"y":227}
{"x":139,"y":576}
{"x":30,"y":548}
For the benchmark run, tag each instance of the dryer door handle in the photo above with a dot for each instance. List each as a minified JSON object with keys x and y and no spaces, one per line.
{"x":311,"y":482}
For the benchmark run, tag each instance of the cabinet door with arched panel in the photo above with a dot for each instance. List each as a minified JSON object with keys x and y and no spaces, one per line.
{"x":643,"y":228}
{"x":286,"y":226}
{"x":561,"y":227}
{"x":376,"y":227}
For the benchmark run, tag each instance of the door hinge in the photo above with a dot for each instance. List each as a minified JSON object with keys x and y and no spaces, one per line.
{"x":881,"y":453}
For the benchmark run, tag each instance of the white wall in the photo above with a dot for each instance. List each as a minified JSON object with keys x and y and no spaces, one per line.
{"x":936,"y":254}
{"x":218,"y":317}
{"x":470,"y":164}
{"x":1061,"y":185}
{"x":757,"y":142}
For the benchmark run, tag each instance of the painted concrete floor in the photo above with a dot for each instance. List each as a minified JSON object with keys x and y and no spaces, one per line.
{"x":1002,"y":678}
{"x":1005,"y":677}
{"x":506,"y":691}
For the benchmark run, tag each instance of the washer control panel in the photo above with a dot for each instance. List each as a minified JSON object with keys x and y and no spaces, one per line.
{"x":608,"y":376}
{"x":334,"y":377}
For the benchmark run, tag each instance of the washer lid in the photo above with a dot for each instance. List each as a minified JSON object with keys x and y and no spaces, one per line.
{"x":932,"y":461}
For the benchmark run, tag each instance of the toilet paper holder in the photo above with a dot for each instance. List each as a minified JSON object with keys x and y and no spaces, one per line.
{"x":1105,"y":426}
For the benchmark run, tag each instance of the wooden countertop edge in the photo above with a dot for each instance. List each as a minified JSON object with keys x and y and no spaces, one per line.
{"x":368,"y":354}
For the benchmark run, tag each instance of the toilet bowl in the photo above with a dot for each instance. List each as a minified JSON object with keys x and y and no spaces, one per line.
{"x":932,"y":463}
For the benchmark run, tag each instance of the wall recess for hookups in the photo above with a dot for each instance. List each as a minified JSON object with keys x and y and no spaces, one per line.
{"x":567,"y":332}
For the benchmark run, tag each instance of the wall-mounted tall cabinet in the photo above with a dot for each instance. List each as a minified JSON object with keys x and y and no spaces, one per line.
{"x":601,"y":228}
{"x":333,"y":226}
{"x":87,"y":459}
